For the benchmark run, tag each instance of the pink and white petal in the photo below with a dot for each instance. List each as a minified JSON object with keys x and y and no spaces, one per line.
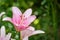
{"x":16,"y":15}
{"x":8,"y":36}
{"x":29,"y":20}
{"x":27,"y":13}
{"x":26,"y":38}
{"x":2,"y":31}
{"x":16,"y":11}
{"x":27,"y":32}
{"x":16,"y":19}
{"x":31,"y":28}
{"x":7,"y":19}
{"x":2,"y":14}
{"x":37,"y":32}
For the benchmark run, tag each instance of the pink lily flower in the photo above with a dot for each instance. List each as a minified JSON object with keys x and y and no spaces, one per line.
{"x":21,"y":21}
{"x":29,"y":32}
{"x":3,"y":35}
{"x":2,"y":14}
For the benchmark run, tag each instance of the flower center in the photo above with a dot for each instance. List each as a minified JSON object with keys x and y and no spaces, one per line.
{"x":22,"y":19}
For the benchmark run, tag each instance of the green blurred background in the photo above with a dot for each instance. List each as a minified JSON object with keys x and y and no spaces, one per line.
{"x":46,"y":11}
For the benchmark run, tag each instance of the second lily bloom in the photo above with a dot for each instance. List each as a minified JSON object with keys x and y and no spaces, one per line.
{"x":25,"y":34}
{"x":3,"y":35}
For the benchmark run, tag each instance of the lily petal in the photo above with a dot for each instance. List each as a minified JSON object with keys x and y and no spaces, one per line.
{"x":31,"y":28}
{"x":8,"y":36}
{"x":2,"y":31}
{"x":16,"y":15}
{"x":27,"y":13}
{"x":37,"y":32}
{"x":29,"y":20}
{"x":2,"y":14}
{"x":7,"y":19}
{"x":16,"y":11}
{"x":26,"y":38}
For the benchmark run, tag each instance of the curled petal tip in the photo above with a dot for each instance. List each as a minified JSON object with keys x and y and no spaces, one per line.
{"x":14,"y":7}
{"x":3,"y":27}
{"x":3,"y":19}
{"x":2,"y":14}
{"x":6,"y":19}
{"x":40,"y":31}
{"x":30,"y":9}
{"x":37,"y":32}
{"x":9,"y":34}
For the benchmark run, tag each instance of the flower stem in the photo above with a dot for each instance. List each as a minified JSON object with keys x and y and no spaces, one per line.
{"x":20,"y":36}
